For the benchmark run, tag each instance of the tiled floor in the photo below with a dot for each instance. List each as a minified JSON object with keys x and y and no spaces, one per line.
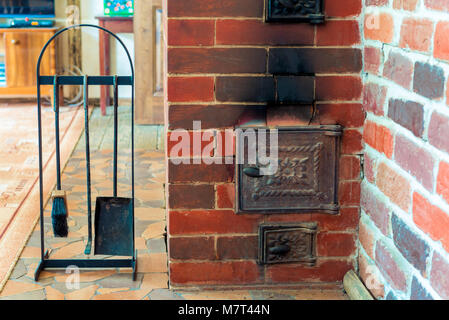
{"x":152,"y":280}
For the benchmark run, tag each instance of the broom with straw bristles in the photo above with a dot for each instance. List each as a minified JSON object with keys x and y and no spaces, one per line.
{"x":59,"y":211}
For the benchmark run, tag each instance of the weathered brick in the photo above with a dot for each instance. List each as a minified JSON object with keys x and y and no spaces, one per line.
{"x":370,"y":276}
{"x":438,"y":128}
{"x":351,"y":142}
{"x":245,"y":89}
{"x":392,"y":269}
{"x":216,"y":60}
{"x":378,"y":137}
{"x":200,"y":172}
{"x":241,"y":272}
{"x":428,"y":80}
{"x":349,"y":115}
{"x":418,"y":291}
{"x":409,"y":5}
{"x":349,"y":193}
{"x":379,"y":27}
{"x":190,"y":89}
{"x":225,"y":195}
{"x":211,"y":222}
{"x":226,"y":145}
{"x":374,"y":96}
{"x":415,"y":160}
{"x":214,"y":116}
{"x":441,"y":41}
{"x":191,"y":32}
{"x":412,"y":246}
{"x":335,"y":244}
{"x":256,"y":32}
{"x":443,"y":180}
{"x":238,"y":247}
{"x":376,"y":209}
{"x":416,"y":34}
{"x":329,"y":270}
{"x":338,"y":33}
{"x":377,"y":3}
{"x":367,"y":238}
{"x":394,"y":186}
{"x":431,"y":219}
{"x":346,"y":220}
{"x":350,"y":167}
{"x":192,"y":248}
{"x":372,"y":59}
{"x":343,"y":8}
{"x":370,"y":167}
{"x":408,"y":114}
{"x":176,"y":141}
{"x":314,"y":60}
{"x":440,"y":5}
{"x":399,"y":69}
{"x":334,"y":88}
{"x":222,"y":8}
{"x":289,"y":115}
{"x":295,"y":89}
{"x":438,"y":275}
{"x":191,"y":196}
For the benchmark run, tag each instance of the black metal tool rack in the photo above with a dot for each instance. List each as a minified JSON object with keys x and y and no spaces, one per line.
{"x":85,"y":81}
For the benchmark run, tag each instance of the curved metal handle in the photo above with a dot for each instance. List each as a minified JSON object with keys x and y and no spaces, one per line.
{"x":14,"y":41}
{"x":252,"y":172}
{"x":81,"y":26}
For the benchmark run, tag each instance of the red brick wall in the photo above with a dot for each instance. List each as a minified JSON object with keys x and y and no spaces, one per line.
{"x":404,"y":226}
{"x":222,"y":63}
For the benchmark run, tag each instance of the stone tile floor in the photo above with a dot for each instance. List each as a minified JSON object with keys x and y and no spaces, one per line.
{"x":152,"y":280}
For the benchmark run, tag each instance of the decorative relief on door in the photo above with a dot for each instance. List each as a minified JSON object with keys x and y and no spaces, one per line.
{"x":294,"y":177}
{"x":306,"y":177}
{"x":283,"y":243}
{"x":295,"y":10}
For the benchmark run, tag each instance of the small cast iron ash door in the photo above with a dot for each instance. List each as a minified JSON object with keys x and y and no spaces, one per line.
{"x":306,"y":179}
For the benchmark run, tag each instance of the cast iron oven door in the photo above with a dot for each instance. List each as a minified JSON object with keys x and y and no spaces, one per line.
{"x":306,"y":179}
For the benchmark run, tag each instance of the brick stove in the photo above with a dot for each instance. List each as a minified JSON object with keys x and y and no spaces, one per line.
{"x":230,"y":69}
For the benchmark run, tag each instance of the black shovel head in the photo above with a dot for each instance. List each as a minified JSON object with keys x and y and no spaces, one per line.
{"x":114,"y":226}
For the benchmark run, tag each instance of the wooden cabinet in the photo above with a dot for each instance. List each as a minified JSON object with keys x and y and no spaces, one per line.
{"x":21,"y":48}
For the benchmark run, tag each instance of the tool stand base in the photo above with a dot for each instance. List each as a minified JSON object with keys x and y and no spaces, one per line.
{"x":86,"y":264}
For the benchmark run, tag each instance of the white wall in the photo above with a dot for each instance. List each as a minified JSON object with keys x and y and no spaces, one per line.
{"x":90,"y":44}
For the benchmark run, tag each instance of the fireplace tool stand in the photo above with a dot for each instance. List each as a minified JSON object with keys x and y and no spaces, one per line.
{"x":114,"y":216}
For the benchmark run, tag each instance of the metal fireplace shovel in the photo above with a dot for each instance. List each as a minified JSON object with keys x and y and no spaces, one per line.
{"x":114,"y":225}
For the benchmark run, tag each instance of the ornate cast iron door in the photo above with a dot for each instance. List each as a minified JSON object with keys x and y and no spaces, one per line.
{"x":306,"y":179}
{"x":294,"y":10}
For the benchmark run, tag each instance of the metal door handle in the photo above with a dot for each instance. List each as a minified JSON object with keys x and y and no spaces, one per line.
{"x":281,"y":249}
{"x":14,"y":41}
{"x":252,"y":172}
